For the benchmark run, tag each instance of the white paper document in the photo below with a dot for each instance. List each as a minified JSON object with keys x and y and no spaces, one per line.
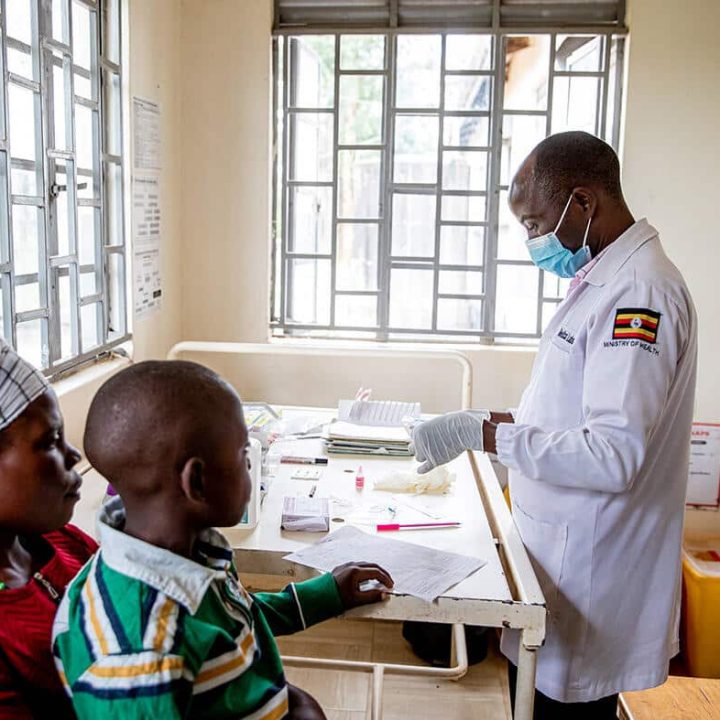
{"x":416,"y":570}
{"x":387,"y":413}
{"x":147,"y":137}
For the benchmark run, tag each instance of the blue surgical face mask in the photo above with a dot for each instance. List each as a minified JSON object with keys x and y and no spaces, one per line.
{"x":548,"y":253}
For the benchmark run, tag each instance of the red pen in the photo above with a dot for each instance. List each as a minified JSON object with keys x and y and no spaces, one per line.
{"x":416,"y":526}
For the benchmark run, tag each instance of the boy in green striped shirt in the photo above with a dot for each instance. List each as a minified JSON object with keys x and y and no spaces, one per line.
{"x":157,"y":625}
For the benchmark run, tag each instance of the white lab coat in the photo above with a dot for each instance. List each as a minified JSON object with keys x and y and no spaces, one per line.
{"x":599,"y":462}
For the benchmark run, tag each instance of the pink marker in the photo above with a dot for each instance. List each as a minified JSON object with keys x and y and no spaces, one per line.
{"x":359,"y":479}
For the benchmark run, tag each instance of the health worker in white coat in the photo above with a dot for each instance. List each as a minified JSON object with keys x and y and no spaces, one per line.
{"x":598,"y":447}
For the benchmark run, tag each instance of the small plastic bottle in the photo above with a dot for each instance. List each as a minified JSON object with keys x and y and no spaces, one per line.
{"x":359,"y":479}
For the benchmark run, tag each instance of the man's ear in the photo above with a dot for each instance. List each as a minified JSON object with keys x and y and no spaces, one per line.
{"x":192,"y":479}
{"x":586,"y":199}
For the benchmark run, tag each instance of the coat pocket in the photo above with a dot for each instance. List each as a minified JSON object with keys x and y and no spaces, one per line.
{"x":545,"y":543}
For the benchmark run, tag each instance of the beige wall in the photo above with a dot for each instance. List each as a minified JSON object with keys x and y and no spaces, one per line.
{"x":671,"y":166}
{"x":153,"y":72}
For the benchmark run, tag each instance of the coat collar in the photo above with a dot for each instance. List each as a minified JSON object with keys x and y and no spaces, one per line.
{"x":620,"y":251}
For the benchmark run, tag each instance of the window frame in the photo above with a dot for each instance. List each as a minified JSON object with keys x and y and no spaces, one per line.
{"x":610,"y":89}
{"x":111,"y":297}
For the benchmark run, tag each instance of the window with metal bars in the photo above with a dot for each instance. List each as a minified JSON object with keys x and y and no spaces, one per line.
{"x":62,"y":241}
{"x":394,"y":151}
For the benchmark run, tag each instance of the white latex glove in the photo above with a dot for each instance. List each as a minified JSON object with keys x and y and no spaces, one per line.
{"x":442,"y":439}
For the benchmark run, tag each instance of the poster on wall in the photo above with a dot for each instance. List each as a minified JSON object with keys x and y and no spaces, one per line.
{"x":146,"y":207}
{"x":147,"y":138}
{"x":704,"y":480}
{"x":148,"y":285}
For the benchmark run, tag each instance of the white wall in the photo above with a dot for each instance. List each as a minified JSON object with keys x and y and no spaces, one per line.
{"x":671,"y":159}
{"x":153,"y":72}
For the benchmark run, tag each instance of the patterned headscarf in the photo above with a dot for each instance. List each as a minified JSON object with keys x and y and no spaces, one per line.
{"x":20,"y":384}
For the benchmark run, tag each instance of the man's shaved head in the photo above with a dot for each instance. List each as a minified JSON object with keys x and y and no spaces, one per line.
{"x":154,"y":416}
{"x":568,"y":160}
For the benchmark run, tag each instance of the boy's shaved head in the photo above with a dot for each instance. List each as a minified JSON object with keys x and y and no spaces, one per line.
{"x":148,"y":420}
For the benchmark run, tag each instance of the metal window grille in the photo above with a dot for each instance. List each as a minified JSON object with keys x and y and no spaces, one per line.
{"x":394,"y":225}
{"x":62,"y":241}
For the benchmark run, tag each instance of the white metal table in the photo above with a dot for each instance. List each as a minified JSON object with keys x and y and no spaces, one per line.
{"x":504,"y":593}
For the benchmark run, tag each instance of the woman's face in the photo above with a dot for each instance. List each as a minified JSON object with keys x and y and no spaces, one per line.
{"x":38,"y":486}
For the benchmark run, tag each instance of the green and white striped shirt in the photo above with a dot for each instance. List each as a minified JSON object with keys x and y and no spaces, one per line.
{"x":145,"y":633}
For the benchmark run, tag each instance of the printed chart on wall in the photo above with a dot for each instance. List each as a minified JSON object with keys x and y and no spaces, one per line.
{"x":146,"y":215}
{"x":704,"y":480}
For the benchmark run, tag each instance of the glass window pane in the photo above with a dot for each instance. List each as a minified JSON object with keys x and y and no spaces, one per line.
{"x":30,"y":343}
{"x":23,"y":126}
{"x":357,"y":256}
{"x":309,"y":291}
{"x":24,"y":182}
{"x":464,"y":170}
{"x":413,"y":225}
{"x":83,"y":86}
{"x":63,"y":213}
{"x":27,"y":297}
{"x":460,"y":282}
{"x":90,"y":321}
{"x":361,"y":110}
{"x":111,"y":30}
{"x":27,"y":236}
{"x":359,"y":183}
{"x":83,"y":33}
{"x":578,"y":53}
{"x":527,"y":61}
{"x":468,"y":92}
{"x":116,"y":296}
{"x":88,"y":227}
{"x":575,"y":103}
{"x":462,"y":245}
{"x":554,"y":286}
{"x":311,"y":135}
{"x":356,"y":310}
{"x":89,"y":284}
{"x":19,"y":19}
{"x":20,"y":63}
{"x":454,"y":314}
{"x":466,"y":131}
{"x":86,"y":137}
{"x":310,"y":220}
{"x":416,"y":148}
{"x":521,"y":133}
{"x":59,"y":21}
{"x":66,"y":314}
{"x":511,"y":234}
{"x":312,"y":71}
{"x":516,"y":299}
{"x":113,"y":113}
{"x":362,"y":52}
{"x":468,"y":52}
{"x":418,"y":71}
{"x":411,"y":298}
{"x":61,"y":98}
{"x":463,"y":208}
{"x":113,"y":204}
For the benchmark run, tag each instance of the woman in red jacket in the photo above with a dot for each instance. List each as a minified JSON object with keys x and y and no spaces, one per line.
{"x":39,"y":552}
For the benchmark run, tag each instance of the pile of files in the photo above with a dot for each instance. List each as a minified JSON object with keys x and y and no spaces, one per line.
{"x":372,"y":428}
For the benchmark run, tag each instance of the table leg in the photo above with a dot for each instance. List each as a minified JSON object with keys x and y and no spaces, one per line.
{"x":377,"y":692}
{"x":525,"y":688}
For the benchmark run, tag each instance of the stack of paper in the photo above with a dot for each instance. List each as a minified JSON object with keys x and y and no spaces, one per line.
{"x":345,"y":438}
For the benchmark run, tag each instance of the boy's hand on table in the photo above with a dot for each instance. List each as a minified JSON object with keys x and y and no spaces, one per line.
{"x":349,"y":577}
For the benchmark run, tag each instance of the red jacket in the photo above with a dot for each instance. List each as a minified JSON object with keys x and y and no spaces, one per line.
{"x":29,"y":685}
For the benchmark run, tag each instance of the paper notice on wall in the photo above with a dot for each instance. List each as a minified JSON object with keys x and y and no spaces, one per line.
{"x":146,"y":213}
{"x":704,"y":480}
{"x":148,"y":283}
{"x":147,"y":138}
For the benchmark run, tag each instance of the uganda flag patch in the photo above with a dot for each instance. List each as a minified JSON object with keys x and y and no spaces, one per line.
{"x":636,"y":324}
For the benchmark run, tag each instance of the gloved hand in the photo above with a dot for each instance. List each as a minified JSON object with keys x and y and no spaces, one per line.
{"x":442,"y":439}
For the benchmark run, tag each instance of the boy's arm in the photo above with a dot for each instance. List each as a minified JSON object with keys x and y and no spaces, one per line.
{"x":301,"y":605}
